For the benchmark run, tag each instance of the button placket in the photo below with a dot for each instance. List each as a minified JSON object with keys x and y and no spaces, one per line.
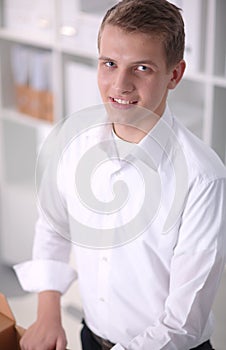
{"x":103,"y":285}
{"x":103,"y":274}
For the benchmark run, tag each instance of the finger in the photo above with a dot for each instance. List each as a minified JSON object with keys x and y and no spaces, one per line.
{"x":22,"y":345}
{"x":61,"y":344}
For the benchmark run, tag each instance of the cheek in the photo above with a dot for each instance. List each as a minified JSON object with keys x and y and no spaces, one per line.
{"x":158,"y":87}
{"x":102,"y":84}
{"x":151,"y":89}
{"x":154,"y":93}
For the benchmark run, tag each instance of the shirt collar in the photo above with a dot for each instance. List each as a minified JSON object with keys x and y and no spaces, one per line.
{"x":149,"y":150}
{"x":156,"y":141}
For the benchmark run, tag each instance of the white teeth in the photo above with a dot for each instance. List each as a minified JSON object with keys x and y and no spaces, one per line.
{"x":123,"y":102}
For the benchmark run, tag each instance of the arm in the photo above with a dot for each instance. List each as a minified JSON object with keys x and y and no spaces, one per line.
{"x":47,"y":332}
{"x":196,"y":269}
{"x":49,"y":273}
{"x":52,"y":245}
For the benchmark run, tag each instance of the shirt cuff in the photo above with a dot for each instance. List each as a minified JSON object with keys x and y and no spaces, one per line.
{"x":39,"y":275}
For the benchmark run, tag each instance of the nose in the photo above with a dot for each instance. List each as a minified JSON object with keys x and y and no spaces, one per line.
{"x":123,"y":82}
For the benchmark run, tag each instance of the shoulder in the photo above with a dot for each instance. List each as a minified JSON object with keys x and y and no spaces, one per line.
{"x":202,"y":161}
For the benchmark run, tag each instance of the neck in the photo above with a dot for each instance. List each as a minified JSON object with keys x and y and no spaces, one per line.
{"x":135,"y":133}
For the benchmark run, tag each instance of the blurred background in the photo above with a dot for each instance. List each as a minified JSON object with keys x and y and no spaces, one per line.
{"x":48,"y":60}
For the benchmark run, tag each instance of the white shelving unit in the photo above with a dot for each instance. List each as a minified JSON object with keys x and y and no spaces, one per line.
{"x":201,"y":96}
{"x":68,"y":32}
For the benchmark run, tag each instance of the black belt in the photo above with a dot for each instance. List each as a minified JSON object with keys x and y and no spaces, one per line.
{"x":107,"y":345}
{"x":104,"y":343}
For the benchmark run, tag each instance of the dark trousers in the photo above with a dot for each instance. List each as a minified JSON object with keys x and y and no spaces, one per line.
{"x":89,"y":343}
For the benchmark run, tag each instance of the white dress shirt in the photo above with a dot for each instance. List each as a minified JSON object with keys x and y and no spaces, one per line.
{"x":152,"y":284}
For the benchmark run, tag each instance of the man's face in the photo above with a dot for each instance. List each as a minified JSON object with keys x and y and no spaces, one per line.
{"x":132,"y":70}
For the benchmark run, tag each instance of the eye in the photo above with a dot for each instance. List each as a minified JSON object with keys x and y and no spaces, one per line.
{"x":109,"y":64}
{"x":142,"y":68}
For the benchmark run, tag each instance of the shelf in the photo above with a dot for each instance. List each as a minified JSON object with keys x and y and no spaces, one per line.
{"x":27,"y":80}
{"x":198,"y":77}
{"x":78,"y":35}
{"x":25,"y":38}
{"x":221,"y":82}
{"x":205,"y":78}
{"x":23,"y":119}
{"x":70,"y":49}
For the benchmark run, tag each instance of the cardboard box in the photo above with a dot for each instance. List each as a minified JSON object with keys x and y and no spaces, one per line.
{"x":23,"y":97}
{"x":10,"y":333}
{"x":37,"y":104}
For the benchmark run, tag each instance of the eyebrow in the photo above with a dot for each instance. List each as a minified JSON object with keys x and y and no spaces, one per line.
{"x":144,"y":61}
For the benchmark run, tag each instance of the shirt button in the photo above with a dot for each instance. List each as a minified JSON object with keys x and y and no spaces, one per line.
{"x":118,"y":174}
{"x":105,"y":259}
{"x":102,"y":299}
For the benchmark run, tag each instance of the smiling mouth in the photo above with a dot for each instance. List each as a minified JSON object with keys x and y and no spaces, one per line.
{"x":122,"y":102}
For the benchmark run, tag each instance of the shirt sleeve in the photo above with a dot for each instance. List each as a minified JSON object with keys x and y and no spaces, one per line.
{"x":196,"y":269}
{"x":39,"y":275}
{"x":49,"y":269}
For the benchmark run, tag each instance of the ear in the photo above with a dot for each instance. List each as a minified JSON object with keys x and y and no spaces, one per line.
{"x":177,"y":73}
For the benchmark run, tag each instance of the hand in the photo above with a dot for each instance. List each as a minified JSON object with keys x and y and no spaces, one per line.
{"x":44,"y":334}
{"x":47,"y":332}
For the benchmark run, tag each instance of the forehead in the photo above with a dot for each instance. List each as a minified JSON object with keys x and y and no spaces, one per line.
{"x":131,"y":45}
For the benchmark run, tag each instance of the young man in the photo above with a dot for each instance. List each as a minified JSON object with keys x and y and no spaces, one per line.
{"x":154,"y":290}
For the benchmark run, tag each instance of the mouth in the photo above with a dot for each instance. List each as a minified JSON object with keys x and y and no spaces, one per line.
{"x":120,"y":101}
